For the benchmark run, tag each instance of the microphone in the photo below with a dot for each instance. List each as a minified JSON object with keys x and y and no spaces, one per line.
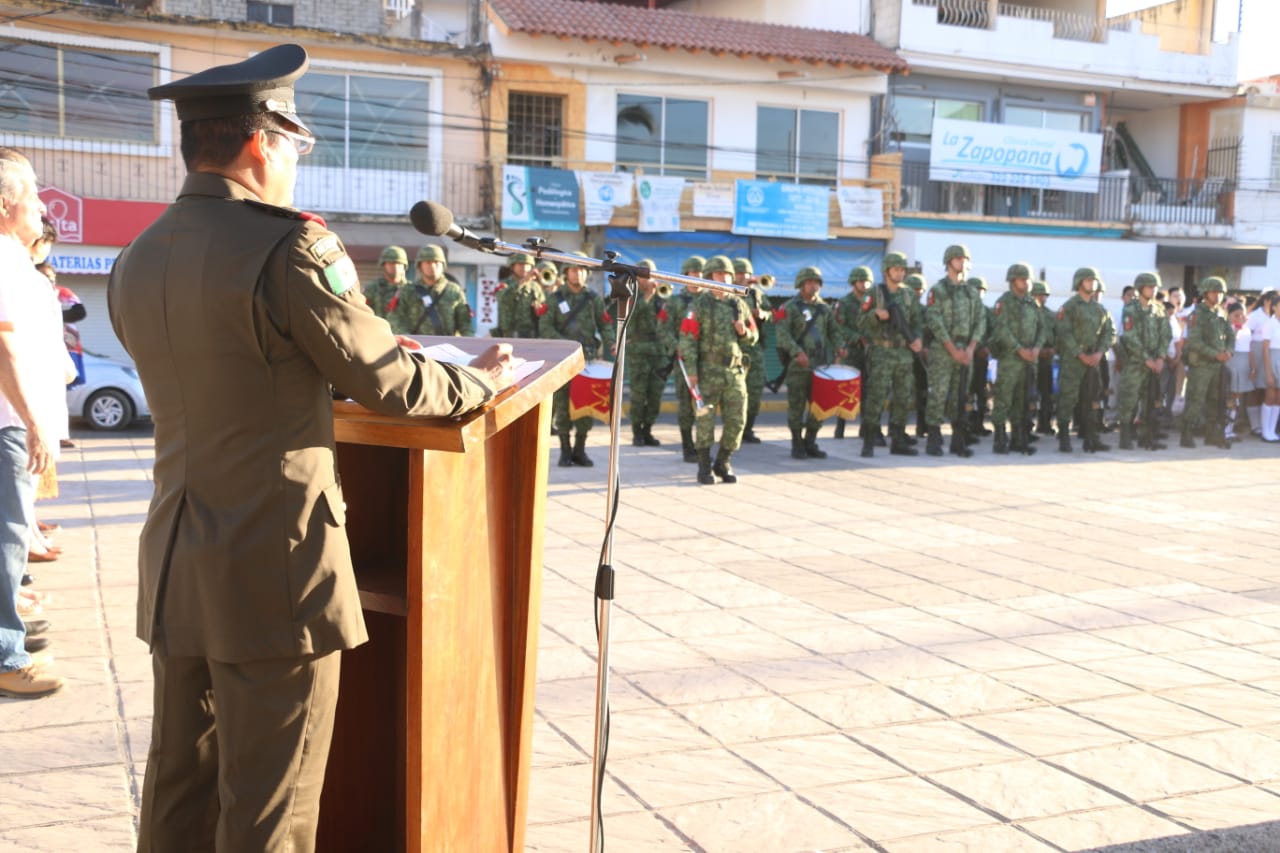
{"x":436,"y":220}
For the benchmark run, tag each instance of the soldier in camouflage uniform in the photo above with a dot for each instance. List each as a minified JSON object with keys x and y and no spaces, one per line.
{"x":677,"y":308}
{"x":955,"y":319}
{"x":713,"y":335}
{"x":519,"y":299}
{"x":889,"y":357}
{"x":432,"y":305}
{"x":1143,"y":345}
{"x":1017,"y":333}
{"x":379,"y":292}
{"x":981,"y":364}
{"x":761,"y":313}
{"x":650,"y":348}
{"x":1210,"y":342}
{"x":576,"y":313}
{"x":848,"y":310}
{"x":916,"y":283}
{"x":1084,"y":332}
{"x":1044,"y":369}
{"x":807,"y":338}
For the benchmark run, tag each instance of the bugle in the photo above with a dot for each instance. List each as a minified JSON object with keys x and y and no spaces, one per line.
{"x":766,"y":281}
{"x":664,"y":289}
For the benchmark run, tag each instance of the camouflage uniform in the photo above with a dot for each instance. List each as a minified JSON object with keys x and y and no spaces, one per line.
{"x":677,"y":308}
{"x":981,"y":363}
{"x":1209,"y":334}
{"x":580,"y":317}
{"x":1044,"y":369}
{"x":1082,"y":327}
{"x":712,"y":351}
{"x":890,"y":373}
{"x":650,"y":347}
{"x":1016,"y":324}
{"x":808,"y":327}
{"x":761,"y":313}
{"x":848,"y":311}
{"x":1146,"y":337}
{"x":440,"y":310}
{"x":954,"y":313}
{"x":379,"y":292}
{"x":518,"y":305}
{"x":915,"y":282}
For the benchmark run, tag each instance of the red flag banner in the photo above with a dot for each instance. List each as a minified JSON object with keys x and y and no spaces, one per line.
{"x":589,"y":391}
{"x":836,"y":390}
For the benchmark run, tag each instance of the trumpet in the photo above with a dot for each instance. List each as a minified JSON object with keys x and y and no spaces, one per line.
{"x":664,"y":289}
{"x":766,"y":281}
{"x":548,"y":277}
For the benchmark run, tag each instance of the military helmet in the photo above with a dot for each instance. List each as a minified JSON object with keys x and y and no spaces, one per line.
{"x":693,"y":263}
{"x":576,"y":255}
{"x":1213,"y":284}
{"x":1082,"y":274}
{"x":431,"y":252}
{"x":394,"y":255}
{"x":520,"y":258}
{"x":894,"y":259}
{"x":546,"y":266}
{"x":717,"y":263}
{"x":861,"y":274}
{"x":807,"y":273}
{"x":1018,"y":270}
{"x":977,"y":282}
{"x":647,"y":263}
{"x":915,"y":281}
{"x":743,"y":265}
{"x":1039,"y":288}
{"x":958,"y":250}
{"x":1147,"y":279}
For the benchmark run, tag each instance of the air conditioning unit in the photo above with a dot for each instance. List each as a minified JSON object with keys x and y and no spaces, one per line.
{"x":962,"y":198}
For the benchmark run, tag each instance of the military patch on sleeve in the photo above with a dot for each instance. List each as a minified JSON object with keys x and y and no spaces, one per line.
{"x":324,"y":247}
{"x":341,"y":275}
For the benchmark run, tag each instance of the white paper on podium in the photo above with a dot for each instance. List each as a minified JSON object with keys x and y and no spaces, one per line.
{"x":450,"y":354}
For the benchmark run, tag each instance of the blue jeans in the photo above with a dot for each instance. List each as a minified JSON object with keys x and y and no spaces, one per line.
{"x":17,"y":497}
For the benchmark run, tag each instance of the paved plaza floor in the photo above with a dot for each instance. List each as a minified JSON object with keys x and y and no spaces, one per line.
{"x":1004,"y":654}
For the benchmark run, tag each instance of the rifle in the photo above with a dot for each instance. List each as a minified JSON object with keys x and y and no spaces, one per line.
{"x":1090,"y":390}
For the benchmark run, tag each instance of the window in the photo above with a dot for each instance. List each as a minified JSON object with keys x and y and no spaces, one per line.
{"x":913,"y":115}
{"x":534,"y":129}
{"x":800,"y":145}
{"x":1275,"y":161}
{"x":280,"y":14}
{"x":76,"y":93}
{"x":1050,"y":119}
{"x":365,"y":122}
{"x":665,"y":135}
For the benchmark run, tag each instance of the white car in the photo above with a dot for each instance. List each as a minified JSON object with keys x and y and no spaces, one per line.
{"x":111,"y":396}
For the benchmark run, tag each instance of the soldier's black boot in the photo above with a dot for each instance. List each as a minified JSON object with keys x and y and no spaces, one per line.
{"x":1187,"y":440}
{"x":811,"y":448}
{"x":934,"y":445}
{"x":1020,"y":442}
{"x":1000,"y":444}
{"x":1064,"y":439}
{"x":637,"y":435}
{"x":748,"y":432}
{"x":1126,"y":436}
{"x":580,"y":457}
{"x":899,"y":443}
{"x":839,"y":428}
{"x":566,"y":452}
{"x":878,"y":437}
{"x":1094,"y":444}
{"x":649,"y":440}
{"x":686,"y":444}
{"x":959,"y":443}
{"x":704,"y":467}
{"x":721,"y":467}
{"x":868,"y":440}
{"x":797,"y":446}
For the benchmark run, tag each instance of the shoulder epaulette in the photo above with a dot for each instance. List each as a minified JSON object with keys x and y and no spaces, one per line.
{"x":286,"y":212}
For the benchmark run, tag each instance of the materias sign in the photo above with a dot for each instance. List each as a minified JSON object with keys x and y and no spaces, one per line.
{"x":1006,"y":155}
{"x":776,"y":209}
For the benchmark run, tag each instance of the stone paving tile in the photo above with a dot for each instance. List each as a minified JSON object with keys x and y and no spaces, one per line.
{"x":114,"y":834}
{"x":1102,"y":828}
{"x":1241,"y":704}
{"x":769,"y":821}
{"x":987,"y":839}
{"x":968,"y":693}
{"x":863,"y":707}
{"x":1249,"y":755}
{"x":1231,"y":807}
{"x":1024,"y":789}
{"x":671,"y":779}
{"x":63,"y":795}
{"x":897,"y":808}
{"x":1061,"y":682}
{"x":1146,"y":717}
{"x":1142,"y":773}
{"x":934,"y":746}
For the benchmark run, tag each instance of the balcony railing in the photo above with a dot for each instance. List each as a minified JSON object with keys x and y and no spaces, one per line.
{"x":976,"y":15}
{"x":1118,"y":200}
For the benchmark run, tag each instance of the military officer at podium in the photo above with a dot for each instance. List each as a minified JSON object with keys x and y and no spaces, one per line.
{"x":246,"y":591}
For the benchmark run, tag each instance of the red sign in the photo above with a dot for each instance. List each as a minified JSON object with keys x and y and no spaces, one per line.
{"x":67,"y":212}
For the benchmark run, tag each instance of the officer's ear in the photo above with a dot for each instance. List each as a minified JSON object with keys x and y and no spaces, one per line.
{"x":259,"y":147}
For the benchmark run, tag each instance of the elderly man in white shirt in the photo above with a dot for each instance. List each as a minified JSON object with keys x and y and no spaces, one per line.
{"x":32,"y":401}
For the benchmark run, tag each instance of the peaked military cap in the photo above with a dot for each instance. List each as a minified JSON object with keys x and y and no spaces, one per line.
{"x":260,"y":84}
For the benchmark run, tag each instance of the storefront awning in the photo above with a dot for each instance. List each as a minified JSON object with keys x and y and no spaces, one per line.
{"x":1212,"y":255}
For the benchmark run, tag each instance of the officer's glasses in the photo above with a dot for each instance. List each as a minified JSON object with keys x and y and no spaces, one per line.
{"x":303,"y":144}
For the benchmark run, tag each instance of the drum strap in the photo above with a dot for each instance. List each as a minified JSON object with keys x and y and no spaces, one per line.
{"x":571,"y":319}
{"x":809,"y":333}
{"x":432,"y":311}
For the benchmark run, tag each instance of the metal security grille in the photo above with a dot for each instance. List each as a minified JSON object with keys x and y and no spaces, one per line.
{"x":535,"y":129}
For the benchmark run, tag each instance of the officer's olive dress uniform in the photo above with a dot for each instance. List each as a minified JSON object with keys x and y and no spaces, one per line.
{"x":240,"y":316}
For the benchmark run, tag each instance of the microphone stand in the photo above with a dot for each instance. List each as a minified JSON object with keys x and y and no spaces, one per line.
{"x":622,"y":281}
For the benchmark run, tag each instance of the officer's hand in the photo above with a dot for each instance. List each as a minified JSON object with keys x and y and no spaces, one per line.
{"x":915,"y":346}
{"x":693,"y":380}
{"x":882,"y":314}
{"x":802,"y":359}
{"x":1224,"y":357}
{"x":1027,"y":354}
{"x":495,"y":364}
{"x":407,"y":342}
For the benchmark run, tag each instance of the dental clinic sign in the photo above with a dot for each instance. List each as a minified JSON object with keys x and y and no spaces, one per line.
{"x":1005,"y":155}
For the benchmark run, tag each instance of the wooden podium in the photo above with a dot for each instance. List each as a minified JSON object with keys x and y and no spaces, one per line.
{"x":435,"y":715}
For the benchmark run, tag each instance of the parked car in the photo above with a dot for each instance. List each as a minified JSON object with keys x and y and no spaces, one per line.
{"x":111,"y":396}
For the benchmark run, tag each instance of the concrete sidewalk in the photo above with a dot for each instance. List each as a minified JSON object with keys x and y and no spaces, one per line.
{"x":1002,"y":654}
